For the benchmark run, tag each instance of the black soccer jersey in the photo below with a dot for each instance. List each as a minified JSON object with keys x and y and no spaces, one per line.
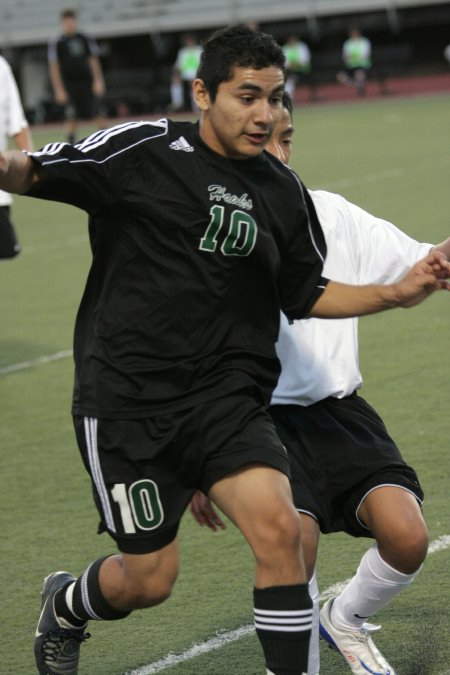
{"x":193,"y":256}
{"x":72,"y":53}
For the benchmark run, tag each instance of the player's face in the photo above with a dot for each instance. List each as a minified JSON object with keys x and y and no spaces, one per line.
{"x":69,"y":25}
{"x":280,"y":143}
{"x":239,"y":122}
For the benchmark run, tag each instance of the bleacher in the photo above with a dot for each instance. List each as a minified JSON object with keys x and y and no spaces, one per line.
{"x":32,"y":22}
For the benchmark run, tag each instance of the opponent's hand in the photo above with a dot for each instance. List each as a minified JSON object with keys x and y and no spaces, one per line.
{"x":204,"y":513}
{"x":428,"y":275}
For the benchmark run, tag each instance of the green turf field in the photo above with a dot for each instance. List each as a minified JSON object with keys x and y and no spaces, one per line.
{"x":392,"y":158}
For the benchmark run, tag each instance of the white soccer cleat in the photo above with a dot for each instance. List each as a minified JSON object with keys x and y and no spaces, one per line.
{"x":356,"y":646}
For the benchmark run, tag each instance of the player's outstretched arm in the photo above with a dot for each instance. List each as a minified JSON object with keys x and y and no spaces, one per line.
{"x":17,"y":172}
{"x":343,"y":300}
{"x":444,"y":247}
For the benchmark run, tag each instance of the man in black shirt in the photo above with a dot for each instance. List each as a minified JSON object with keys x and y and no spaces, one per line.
{"x":76,"y":73}
{"x":197,"y":242}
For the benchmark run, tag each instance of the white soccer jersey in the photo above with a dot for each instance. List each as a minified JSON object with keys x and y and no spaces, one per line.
{"x":319,"y":357}
{"x":12,"y":117}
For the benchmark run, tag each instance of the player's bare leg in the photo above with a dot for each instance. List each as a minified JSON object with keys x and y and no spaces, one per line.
{"x":396,"y":522}
{"x":108,"y":590}
{"x":258,"y":500}
{"x":395,"y":519}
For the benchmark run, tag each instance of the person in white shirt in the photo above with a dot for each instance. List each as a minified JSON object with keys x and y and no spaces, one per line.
{"x":13,"y":124}
{"x":347,"y":473}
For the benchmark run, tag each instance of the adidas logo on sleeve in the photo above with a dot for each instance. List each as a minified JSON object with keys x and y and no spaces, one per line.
{"x":181,"y":144}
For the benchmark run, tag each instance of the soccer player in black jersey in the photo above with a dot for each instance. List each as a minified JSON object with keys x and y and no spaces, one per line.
{"x":76,"y":74}
{"x":197,"y":243}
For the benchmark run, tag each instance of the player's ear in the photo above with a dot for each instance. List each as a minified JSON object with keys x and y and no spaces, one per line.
{"x":201,"y":95}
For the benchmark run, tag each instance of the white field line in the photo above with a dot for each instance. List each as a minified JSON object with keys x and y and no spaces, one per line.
{"x":220,"y":639}
{"x":225,"y":638}
{"x":35,"y":362}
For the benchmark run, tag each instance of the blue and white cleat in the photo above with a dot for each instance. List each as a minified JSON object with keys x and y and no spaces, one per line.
{"x":356,"y":646}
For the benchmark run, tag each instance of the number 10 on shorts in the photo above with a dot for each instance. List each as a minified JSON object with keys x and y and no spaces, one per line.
{"x":140,"y":505}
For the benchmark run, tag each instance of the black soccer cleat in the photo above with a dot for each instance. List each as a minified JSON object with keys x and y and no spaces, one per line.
{"x":56,"y":649}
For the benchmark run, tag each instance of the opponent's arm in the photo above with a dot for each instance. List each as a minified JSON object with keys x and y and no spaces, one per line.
{"x":23,"y":139}
{"x":17,"y":172}
{"x":204,"y":512}
{"x":425,"y":277}
{"x":444,"y":247}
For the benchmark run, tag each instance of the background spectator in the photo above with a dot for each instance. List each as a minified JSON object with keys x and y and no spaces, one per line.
{"x":184,"y":72}
{"x":298,"y":65}
{"x":13,"y":124}
{"x":76,"y":74}
{"x":357,"y":58}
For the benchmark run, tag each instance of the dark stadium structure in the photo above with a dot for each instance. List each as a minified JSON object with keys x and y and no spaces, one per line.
{"x":139,"y":40}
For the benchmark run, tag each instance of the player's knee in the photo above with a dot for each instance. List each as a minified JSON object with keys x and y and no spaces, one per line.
{"x":151,"y":590}
{"x":282,"y":532}
{"x":408,"y":549}
{"x":152,"y":583}
{"x":416,"y":549}
{"x":154,"y":594}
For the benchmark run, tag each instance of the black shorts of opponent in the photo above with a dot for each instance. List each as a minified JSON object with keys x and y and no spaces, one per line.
{"x":339,"y":451}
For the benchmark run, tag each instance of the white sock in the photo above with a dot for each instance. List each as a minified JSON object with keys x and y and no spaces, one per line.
{"x":374,"y":585}
{"x":314,"y":652}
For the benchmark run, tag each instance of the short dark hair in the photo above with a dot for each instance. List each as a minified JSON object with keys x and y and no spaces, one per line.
{"x":237,"y":46}
{"x":287,"y":102}
{"x":68,"y":13}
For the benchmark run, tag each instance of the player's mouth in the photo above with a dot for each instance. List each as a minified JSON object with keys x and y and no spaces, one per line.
{"x":257,"y":137}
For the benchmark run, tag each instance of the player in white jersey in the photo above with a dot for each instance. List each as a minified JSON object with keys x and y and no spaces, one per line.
{"x":365,"y":489}
{"x":13,"y":124}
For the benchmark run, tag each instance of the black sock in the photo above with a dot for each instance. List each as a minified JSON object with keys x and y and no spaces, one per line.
{"x":87,"y":601}
{"x":283,"y":619}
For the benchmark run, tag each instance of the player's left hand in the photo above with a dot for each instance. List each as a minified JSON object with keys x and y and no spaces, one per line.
{"x":204,"y":512}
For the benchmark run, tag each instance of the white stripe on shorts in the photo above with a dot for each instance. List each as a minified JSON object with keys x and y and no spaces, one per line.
{"x":90,"y":430}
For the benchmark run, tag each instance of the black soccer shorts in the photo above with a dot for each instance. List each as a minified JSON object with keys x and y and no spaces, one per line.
{"x":82,"y":103}
{"x":339,"y":451}
{"x":145,"y":471}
